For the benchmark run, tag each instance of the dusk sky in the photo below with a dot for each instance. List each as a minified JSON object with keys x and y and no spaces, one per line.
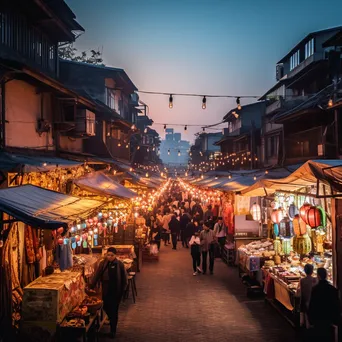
{"x":199,"y":46}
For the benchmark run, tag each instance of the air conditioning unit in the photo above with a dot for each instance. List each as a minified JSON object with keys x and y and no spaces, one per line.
{"x":85,"y":122}
{"x":279,"y":71}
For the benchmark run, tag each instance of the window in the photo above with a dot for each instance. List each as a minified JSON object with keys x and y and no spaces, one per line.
{"x":110,"y":98}
{"x":309,"y":48}
{"x":294,"y":60}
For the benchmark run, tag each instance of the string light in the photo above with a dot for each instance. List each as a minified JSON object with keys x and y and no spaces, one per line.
{"x":119,"y":144}
{"x":254,"y":178}
{"x":238,"y":103}
{"x":170,"y":101}
{"x":145,"y":130}
{"x":179,"y":153}
{"x":138,"y":148}
{"x":133,"y":127}
{"x":266,"y":172}
{"x":203,"y":129}
{"x":185,"y":128}
{"x":204,"y":103}
{"x":230,"y":177}
{"x":127,"y":146}
{"x":164,"y":128}
{"x":168,"y":151}
{"x":330,"y":103}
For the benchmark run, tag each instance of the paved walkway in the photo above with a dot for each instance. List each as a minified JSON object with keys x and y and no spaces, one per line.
{"x":173,"y":305}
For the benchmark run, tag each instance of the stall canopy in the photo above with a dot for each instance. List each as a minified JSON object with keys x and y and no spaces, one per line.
{"x":326,"y":171}
{"x":10,"y":161}
{"x":99,"y":183}
{"x":43,"y":208}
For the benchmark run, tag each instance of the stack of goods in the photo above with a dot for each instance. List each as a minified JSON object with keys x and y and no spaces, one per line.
{"x":86,"y":263}
{"x":92,"y":304}
{"x":253,"y":255}
{"x":51,"y":298}
{"x":79,"y":313}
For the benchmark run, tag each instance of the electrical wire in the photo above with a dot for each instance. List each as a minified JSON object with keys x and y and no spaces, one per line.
{"x":197,"y":95}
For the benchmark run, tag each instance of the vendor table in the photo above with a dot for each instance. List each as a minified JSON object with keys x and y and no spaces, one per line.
{"x":277,"y":290}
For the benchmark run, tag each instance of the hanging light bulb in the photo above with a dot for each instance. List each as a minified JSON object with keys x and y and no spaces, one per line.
{"x":138,"y":148}
{"x":204,"y":103}
{"x":170,"y":101}
{"x":330,"y":103}
{"x":148,"y":150}
{"x":185,"y":128}
{"x":238,"y":103}
{"x":230,"y":177}
{"x":133,"y":127}
{"x":164,"y":128}
{"x":203,"y":129}
{"x":179,"y":153}
{"x":190,"y":154}
{"x":127,"y":146}
{"x":254,"y":177}
{"x":145,"y":130}
{"x":266,"y":172}
{"x":146,"y":175}
{"x":119,"y":143}
{"x":168,"y":151}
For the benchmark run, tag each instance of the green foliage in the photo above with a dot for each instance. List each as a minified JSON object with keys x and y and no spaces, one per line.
{"x":69,"y":52}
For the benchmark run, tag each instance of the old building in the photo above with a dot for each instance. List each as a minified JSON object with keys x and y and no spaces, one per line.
{"x":241,"y":145}
{"x":297,"y":125}
{"x":113,"y":92}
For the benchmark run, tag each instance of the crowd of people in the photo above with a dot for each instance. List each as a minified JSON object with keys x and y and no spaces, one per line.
{"x":178,"y":217}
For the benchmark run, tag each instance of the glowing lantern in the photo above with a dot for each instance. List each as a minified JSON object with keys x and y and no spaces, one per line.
{"x":277,"y":215}
{"x":256,"y":212}
{"x":78,"y":238}
{"x":60,"y":230}
{"x":275,"y":229}
{"x":105,"y":215}
{"x":60,"y":241}
{"x":313,"y":217}
{"x":95,"y":219}
{"x":302,"y":211}
{"x":293,"y":211}
{"x":296,"y":226}
{"x":302,"y":227}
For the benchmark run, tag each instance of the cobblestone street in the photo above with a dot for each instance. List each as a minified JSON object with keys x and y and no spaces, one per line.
{"x":174,"y":305}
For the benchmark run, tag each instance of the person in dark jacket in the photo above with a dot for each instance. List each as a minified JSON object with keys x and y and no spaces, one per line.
{"x":113,"y":277}
{"x":324,"y":308}
{"x":197,"y":211}
{"x":174,"y":227}
{"x":208,"y":215}
{"x":184,"y":220}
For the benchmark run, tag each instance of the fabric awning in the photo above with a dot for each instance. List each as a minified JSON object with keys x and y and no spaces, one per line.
{"x":26,"y":164}
{"x":43,"y":208}
{"x":99,"y":183}
{"x":327,"y":171}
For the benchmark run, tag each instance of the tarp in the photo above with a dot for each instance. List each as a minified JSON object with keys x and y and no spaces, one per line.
{"x":99,"y":183}
{"x":10,"y":161}
{"x":43,"y":208}
{"x":327,"y":171}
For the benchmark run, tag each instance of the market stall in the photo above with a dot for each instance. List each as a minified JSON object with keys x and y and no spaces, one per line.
{"x":299,"y":215}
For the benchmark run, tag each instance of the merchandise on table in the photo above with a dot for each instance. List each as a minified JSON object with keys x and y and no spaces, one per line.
{"x":52,"y":297}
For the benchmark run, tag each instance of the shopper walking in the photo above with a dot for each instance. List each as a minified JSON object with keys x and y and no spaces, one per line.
{"x":174,"y":227}
{"x":166,"y":232}
{"x":208,"y":240}
{"x":304,"y":292}
{"x":113,"y":277}
{"x":184,"y":220}
{"x":324,"y":308}
{"x":220,"y":231}
{"x":195,"y":245}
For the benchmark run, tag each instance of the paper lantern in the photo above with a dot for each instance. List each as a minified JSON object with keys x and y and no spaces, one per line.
{"x":295,"y":223}
{"x":293,"y":211}
{"x":275,"y":229}
{"x":60,"y":230}
{"x":105,"y":215}
{"x":286,"y":227}
{"x":256,"y":212}
{"x":95,"y":219}
{"x":286,"y":246}
{"x":277,"y":215}
{"x":302,"y":227}
{"x":78,"y":238}
{"x":313,"y":217}
{"x":60,"y":241}
{"x":302,"y":211}
{"x":302,"y":244}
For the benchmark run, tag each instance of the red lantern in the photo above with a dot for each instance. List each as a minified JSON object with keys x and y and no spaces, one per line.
{"x":95,"y":218}
{"x":302,"y":211}
{"x":277,"y":215}
{"x":60,"y":230}
{"x":60,"y":241}
{"x":78,"y":238}
{"x":314,"y":217}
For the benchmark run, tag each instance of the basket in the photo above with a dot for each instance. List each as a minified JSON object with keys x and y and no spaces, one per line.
{"x":92,"y":308}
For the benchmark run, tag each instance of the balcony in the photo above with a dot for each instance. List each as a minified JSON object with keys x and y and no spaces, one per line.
{"x":317,"y":56}
{"x":22,"y":43}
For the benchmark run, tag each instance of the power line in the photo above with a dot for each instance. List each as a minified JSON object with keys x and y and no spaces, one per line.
{"x":197,"y":95}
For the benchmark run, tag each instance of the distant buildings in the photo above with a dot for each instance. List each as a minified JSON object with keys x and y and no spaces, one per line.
{"x":174,"y":150}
